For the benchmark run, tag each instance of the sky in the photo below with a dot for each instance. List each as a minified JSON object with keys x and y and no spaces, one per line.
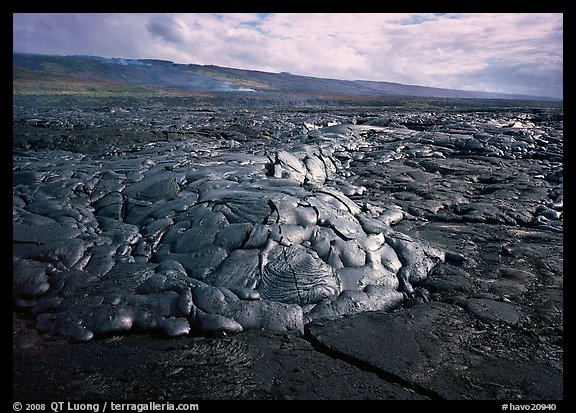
{"x":493,"y":52}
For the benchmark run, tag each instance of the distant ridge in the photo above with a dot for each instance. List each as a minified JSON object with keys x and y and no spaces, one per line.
{"x":46,"y":74}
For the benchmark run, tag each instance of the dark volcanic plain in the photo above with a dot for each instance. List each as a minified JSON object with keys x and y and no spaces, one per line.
{"x":481,"y":180}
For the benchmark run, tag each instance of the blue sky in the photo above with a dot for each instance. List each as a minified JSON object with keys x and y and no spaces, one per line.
{"x":497,"y":52}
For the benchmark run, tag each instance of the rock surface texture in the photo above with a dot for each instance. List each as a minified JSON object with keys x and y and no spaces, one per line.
{"x":418,"y":253}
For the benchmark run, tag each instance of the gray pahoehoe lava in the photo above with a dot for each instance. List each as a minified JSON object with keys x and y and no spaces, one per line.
{"x":220,"y":235}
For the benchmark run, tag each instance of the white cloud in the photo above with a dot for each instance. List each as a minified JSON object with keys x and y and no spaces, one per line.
{"x":450,"y":50}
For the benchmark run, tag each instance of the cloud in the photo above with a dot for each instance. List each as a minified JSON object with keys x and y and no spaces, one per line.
{"x":518,"y":78}
{"x":514,"y":52}
{"x":166,"y":28}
